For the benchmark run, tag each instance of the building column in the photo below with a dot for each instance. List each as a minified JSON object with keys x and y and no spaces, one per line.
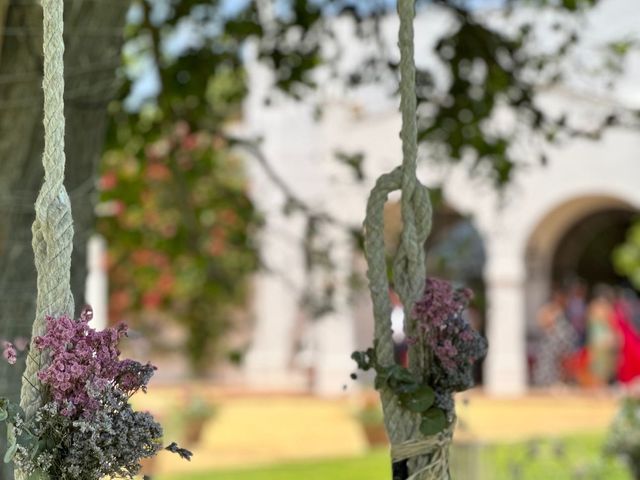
{"x":333,"y":333}
{"x":333,"y":363}
{"x":505,"y":368}
{"x":275,"y":307}
{"x":97,"y":282}
{"x":268,"y":362}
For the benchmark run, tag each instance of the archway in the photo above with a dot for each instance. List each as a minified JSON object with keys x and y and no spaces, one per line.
{"x":584,"y":251}
{"x":573,"y":241}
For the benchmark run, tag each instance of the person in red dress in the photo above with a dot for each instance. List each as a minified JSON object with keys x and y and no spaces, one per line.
{"x":624,"y":311}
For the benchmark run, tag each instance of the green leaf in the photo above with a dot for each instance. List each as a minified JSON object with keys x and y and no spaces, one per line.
{"x":407,"y":388}
{"x":3,"y":414}
{"x":11,"y":451}
{"x":399,"y":375}
{"x":434,"y":421}
{"x":38,"y":447}
{"x":365,"y":360}
{"x":382,"y":378}
{"x":419,"y":401}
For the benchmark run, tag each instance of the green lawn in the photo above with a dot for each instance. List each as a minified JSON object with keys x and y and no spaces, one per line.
{"x":571,"y":458}
{"x":370,"y":467}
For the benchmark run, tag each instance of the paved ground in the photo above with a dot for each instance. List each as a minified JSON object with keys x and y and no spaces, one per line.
{"x":253,"y":429}
{"x":542,"y":414}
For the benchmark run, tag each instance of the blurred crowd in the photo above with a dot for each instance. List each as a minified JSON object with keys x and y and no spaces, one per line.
{"x":587,"y":337}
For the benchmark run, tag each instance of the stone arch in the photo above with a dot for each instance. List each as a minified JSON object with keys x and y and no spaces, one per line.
{"x":557,"y":244}
{"x":548,"y":233}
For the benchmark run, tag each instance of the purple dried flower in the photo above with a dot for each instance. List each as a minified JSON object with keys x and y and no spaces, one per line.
{"x":454,"y":345}
{"x":9,"y":353}
{"x":89,"y":426}
{"x":83,"y":359}
{"x":134,"y":376}
{"x":87,"y":313}
{"x":439,"y":303}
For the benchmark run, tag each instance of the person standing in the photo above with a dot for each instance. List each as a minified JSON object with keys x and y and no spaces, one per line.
{"x":557,"y":340}
{"x":577,"y":311}
{"x":624,"y":311}
{"x":602,"y":338}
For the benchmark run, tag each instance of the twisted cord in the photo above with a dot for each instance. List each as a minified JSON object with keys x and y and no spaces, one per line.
{"x":396,"y":419}
{"x":409,"y":264}
{"x":53,"y":225}
{"x":428,"y":456}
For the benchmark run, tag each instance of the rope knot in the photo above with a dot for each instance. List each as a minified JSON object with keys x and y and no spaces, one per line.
{"x":409,"y":262}
{"x":425,"y":457}
{"x":436,"y":448}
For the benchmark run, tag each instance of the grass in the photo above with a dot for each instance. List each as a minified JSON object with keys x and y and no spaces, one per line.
{"x":568,"y":458}
{"x":576,"y":457}
{"x":373,"y":466}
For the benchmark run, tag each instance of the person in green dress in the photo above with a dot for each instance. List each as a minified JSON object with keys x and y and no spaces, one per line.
{"x":601,"y":336}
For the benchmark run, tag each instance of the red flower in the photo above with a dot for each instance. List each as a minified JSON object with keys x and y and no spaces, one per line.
{"x":108,"y":181}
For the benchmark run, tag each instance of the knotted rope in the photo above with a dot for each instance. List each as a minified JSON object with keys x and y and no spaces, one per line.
{"x":428,"y":456}
{"x":53,"y":225}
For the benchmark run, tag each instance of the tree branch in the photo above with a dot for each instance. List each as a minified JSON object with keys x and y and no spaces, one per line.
{"x":291,"y":198}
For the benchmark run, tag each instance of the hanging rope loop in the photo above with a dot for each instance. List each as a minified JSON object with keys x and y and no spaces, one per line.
{"x":427,"y":456}
{"x":409,"y":264}
{"x":53,"y":225}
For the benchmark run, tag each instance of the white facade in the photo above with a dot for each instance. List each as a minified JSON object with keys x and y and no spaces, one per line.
{"x":519,"y":234}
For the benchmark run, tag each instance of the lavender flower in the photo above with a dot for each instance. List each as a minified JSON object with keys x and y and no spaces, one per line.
{"x":108,"y":445}
{"x":9,"y":353}
{"x":82,"y":359}
{"x":133,"y":376}
{"x":88,"y":429}
{"x":455,"y":346}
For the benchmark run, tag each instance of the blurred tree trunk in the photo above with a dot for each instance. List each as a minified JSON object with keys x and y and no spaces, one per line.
{"x":93,"y":37}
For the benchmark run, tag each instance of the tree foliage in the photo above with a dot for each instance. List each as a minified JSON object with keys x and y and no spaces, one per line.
{"x":626,"y":258}
{"x":170,"y":164}
{"x":180,"y":228}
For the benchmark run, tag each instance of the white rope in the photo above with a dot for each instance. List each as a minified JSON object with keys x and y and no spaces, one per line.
{"x":427,"y":457}
{"x":53,"y":225}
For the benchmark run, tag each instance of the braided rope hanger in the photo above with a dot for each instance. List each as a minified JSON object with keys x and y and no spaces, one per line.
{"x":53,"y":225}
{"x":427,"y":456}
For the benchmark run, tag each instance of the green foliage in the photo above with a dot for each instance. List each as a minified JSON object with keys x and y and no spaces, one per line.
{"x":624,"y":436}
{"x":418,"y":399}
{"x":354,"y":161}
{"x":374,"y":466}
{"x":573,"y":457}
{"x":412,"y":393}
{"x":198,"y":408}
{"x":178,"y":220}
{"x":491,"y":70}
{"x":506,"y":461}
{"x":433,"y":421}
{"x":172,"y":194}
{"x":487,"y":71}
{"x":370,"y":415}
{"x":180,"y":237}
{"x":12,"y":414}
{"x":626,"y":258}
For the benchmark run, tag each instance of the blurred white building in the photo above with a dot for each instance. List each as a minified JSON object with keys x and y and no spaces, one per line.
{"x":551,"y":222}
